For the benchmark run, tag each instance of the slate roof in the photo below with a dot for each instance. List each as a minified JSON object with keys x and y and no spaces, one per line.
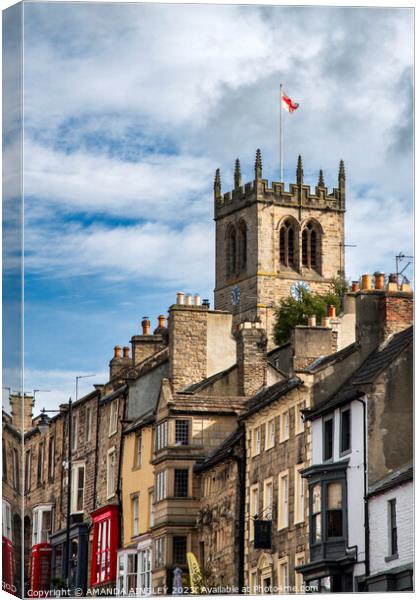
{"x":225,"y":450}
{"x":145,"y":419}
{"x":209,"y":404}
{"x":398,"y":477}
{"x":267,"y":395}
{"x":373,"y":366}
{"x":331,"y":359}
{"x":204,"y":383}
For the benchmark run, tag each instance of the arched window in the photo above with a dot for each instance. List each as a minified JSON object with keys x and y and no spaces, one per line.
{"x":242,"y":246}
{"x":310,"y":241}
{"x":230,"y":251}
{"x":287,"y":244}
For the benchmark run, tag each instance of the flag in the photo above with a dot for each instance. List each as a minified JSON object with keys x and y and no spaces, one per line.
{"x":196,"y":578}
{"x":288,"y":104}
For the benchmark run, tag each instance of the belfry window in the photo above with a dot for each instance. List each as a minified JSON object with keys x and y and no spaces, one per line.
{"x":309,"y":247}
{"x":287,"y":245}
{"x":242,"y":246}
{"x":231,"y":252}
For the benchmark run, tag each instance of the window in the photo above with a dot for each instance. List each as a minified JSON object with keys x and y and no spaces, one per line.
{"x":231,"y":251}
{"x":15,"y":469}
{"x":179,"y":549}
{"x":256,"y":441}
{"x":88,"y":423}
{"x":334,"y":510}
{"x":113,"y":417}
{"x":181,"y":432}
{"x":287,"y":245}
{"x":110,"y":472}
{"x":105,"y":527}
{"x":316,"y":513}
{"x":242,"y":246}
{"x":162,"y":435}
{"x":137,"y":450}
{"x":299,"y":420}
{"x":41,"y":524}
{"x":284,"y":426}
{"x":7,"y":521}
{"x":40,"y":466}
{"x":145,"y":572}
{"x":77,"y":488}
{"x":27,"y":471}
{"x":151,"y":519}
{"x":127,"y":572}
{"x":181,"y":483}
{"x":253,"y":509}
{"x":299,"y":561}
{"x":309,"y":247}
{"x":283,"y":515}
{"x":270,"y":435}
{"x":160,"y":486}
{"x":392,"y":527}
{"x":74,"y":431}
{"x":299,"y":497}
{"x":268,"y":500}
{"x":159,"y":552}
{"x":345,"y":429}
{"x":135,"y":513}
{"x":51,"y":458}
{"x":4,"y":460}
{"x":283,"y":574}
{"x":328,"y":438}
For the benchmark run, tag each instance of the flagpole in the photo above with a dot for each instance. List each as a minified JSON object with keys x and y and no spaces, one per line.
{"x":281,"y":133}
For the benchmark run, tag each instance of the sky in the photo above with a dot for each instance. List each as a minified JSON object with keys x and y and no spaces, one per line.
{"x":128,"y":111}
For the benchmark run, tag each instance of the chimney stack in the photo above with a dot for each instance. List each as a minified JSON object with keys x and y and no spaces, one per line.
{"x":21,"y":406}
{"x":251,"y":353}
{"x":118,"y":363}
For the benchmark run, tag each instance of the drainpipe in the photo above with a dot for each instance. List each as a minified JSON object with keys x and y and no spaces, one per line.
{"x":365,"y":492}
{"x":96,"y":450}
{"x":241,"y":462}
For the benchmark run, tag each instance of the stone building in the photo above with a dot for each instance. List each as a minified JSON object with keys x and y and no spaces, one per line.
{"x":270,"y":238}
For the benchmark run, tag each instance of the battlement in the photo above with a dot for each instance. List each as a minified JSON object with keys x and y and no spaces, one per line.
{"x":297,"y":195}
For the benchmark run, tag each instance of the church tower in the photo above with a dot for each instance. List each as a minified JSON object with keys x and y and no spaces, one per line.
{"x":268,"y":239}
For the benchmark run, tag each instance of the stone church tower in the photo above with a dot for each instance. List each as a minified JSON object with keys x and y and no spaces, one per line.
{"x":268,"y":239}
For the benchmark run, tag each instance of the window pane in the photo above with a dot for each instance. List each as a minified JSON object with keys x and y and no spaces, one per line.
{"x":328,"y":439}
{"x":316,"y":498}
{"x":334,"y":523}
{"x":181,"y":482}
{"x":334,"y":496}
{"x":345,"y":430}
{"x":179,"y":549}
{"x":181,"y":432}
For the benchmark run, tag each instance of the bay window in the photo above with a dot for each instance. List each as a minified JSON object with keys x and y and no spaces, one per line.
{"x":159,"y":552}
{"x":41,"y":524}
{"x":160,"y":485}
{"x":334,"y":509}
{"x":316,"y":513}
{"x":180,"y":483}
{"x":105,"y":527}
{"x":162,"y":435}
{"x":182,"y":435}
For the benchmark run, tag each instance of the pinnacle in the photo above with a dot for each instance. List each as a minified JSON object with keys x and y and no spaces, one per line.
{"x":321,"y":179}
{"x":237,"y":173}
{"x":258,"y":165}
{"x":299,"y":171}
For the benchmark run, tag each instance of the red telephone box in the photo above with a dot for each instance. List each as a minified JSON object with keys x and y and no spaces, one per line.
{"x":8,"y":565}
{"x":105,"y":524}
{"x":40,"y":567}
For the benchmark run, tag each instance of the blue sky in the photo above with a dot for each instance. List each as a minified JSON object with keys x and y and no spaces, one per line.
{"x":129,"y":109}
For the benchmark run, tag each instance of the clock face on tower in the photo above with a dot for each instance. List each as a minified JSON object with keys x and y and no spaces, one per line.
{"x":235,"y":295}
{"x":295,"y":289}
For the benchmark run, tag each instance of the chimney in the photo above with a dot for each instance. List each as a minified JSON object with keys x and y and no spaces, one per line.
{"x":118,"y":363}
{"x":251,"y":357}
{"x":21,"y":407}
{"x":146,"y":344}
{"x":309,"y":343}
{"x":382,"y":312}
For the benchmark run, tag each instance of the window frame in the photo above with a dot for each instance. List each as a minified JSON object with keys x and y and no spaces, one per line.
{"x":28,"y":471}
{"x":123,"y":590}
{"x":51,"y":458}
{"x":254,"y":502}
{"x":299,"y":418}
{"x":161,"y":486}
{"x":346,"y":409}
{"x":256,"y":440}
{"x":144,"y":558}
{"x":284,"y":585}
{"x":283,"y":518}
{"x":268,"y":508}
{"x":135,"y":514}
{"x":325,"y":420}
{"x":7,"y":520}
{"x":75,"y":488}
{"x":270,"y":437}
{"x":284,"y":436}
{"x":183,"y":537}
{"x":138,"y":448}
{"x":104,"y":551}
{"x":113,"y":416}
{"x":4,"y":457}
{"x":188,"y":429}
{"x":161,"y":436}
{"x":159,"y":554}
{"x":176,"y":493}
{"x":74,"y":431}
{"x":37,"y":522}
{"x":300,"y":495}
{"x":88,"y":423}
{"x":299,"y":581}
{"x":110,"y":474}
{"x":392,"y":526}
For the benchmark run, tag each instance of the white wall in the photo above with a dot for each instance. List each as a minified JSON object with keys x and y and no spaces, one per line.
{"x":378,"y":522}
{"x":355,"y":474}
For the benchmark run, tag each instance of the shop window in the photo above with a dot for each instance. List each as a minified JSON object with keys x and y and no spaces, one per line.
{"x":182,"y":432}
{"x":105,"y":527}
{"x":179,"y":549}
{"x":181,"y":483}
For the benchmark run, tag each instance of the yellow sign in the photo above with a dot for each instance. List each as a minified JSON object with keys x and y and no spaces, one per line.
{"x":196,"y":577}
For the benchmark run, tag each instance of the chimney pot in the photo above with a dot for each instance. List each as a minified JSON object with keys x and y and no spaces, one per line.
{"x":161,"y":321}
{"x":146,"y":325}
{"x":117,"y":351}
{"x":366,"y":282}
{"x":405,"y":287}
{"x":355,"y":286}
{"x":180,"y":298}
{"x":126,"y":352}
{"x":379,"y":281}
{"x":197,"y":300}
{"x":325,"y":321}
{"x":331,"y":311}
{"x":188,"y":299}
{"x":312,"y":321}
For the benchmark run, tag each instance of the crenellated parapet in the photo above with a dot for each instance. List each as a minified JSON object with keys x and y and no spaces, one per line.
{"x":295,"y":195}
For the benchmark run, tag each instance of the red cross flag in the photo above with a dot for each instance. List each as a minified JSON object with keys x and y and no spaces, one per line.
{"x":288,"y":104}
